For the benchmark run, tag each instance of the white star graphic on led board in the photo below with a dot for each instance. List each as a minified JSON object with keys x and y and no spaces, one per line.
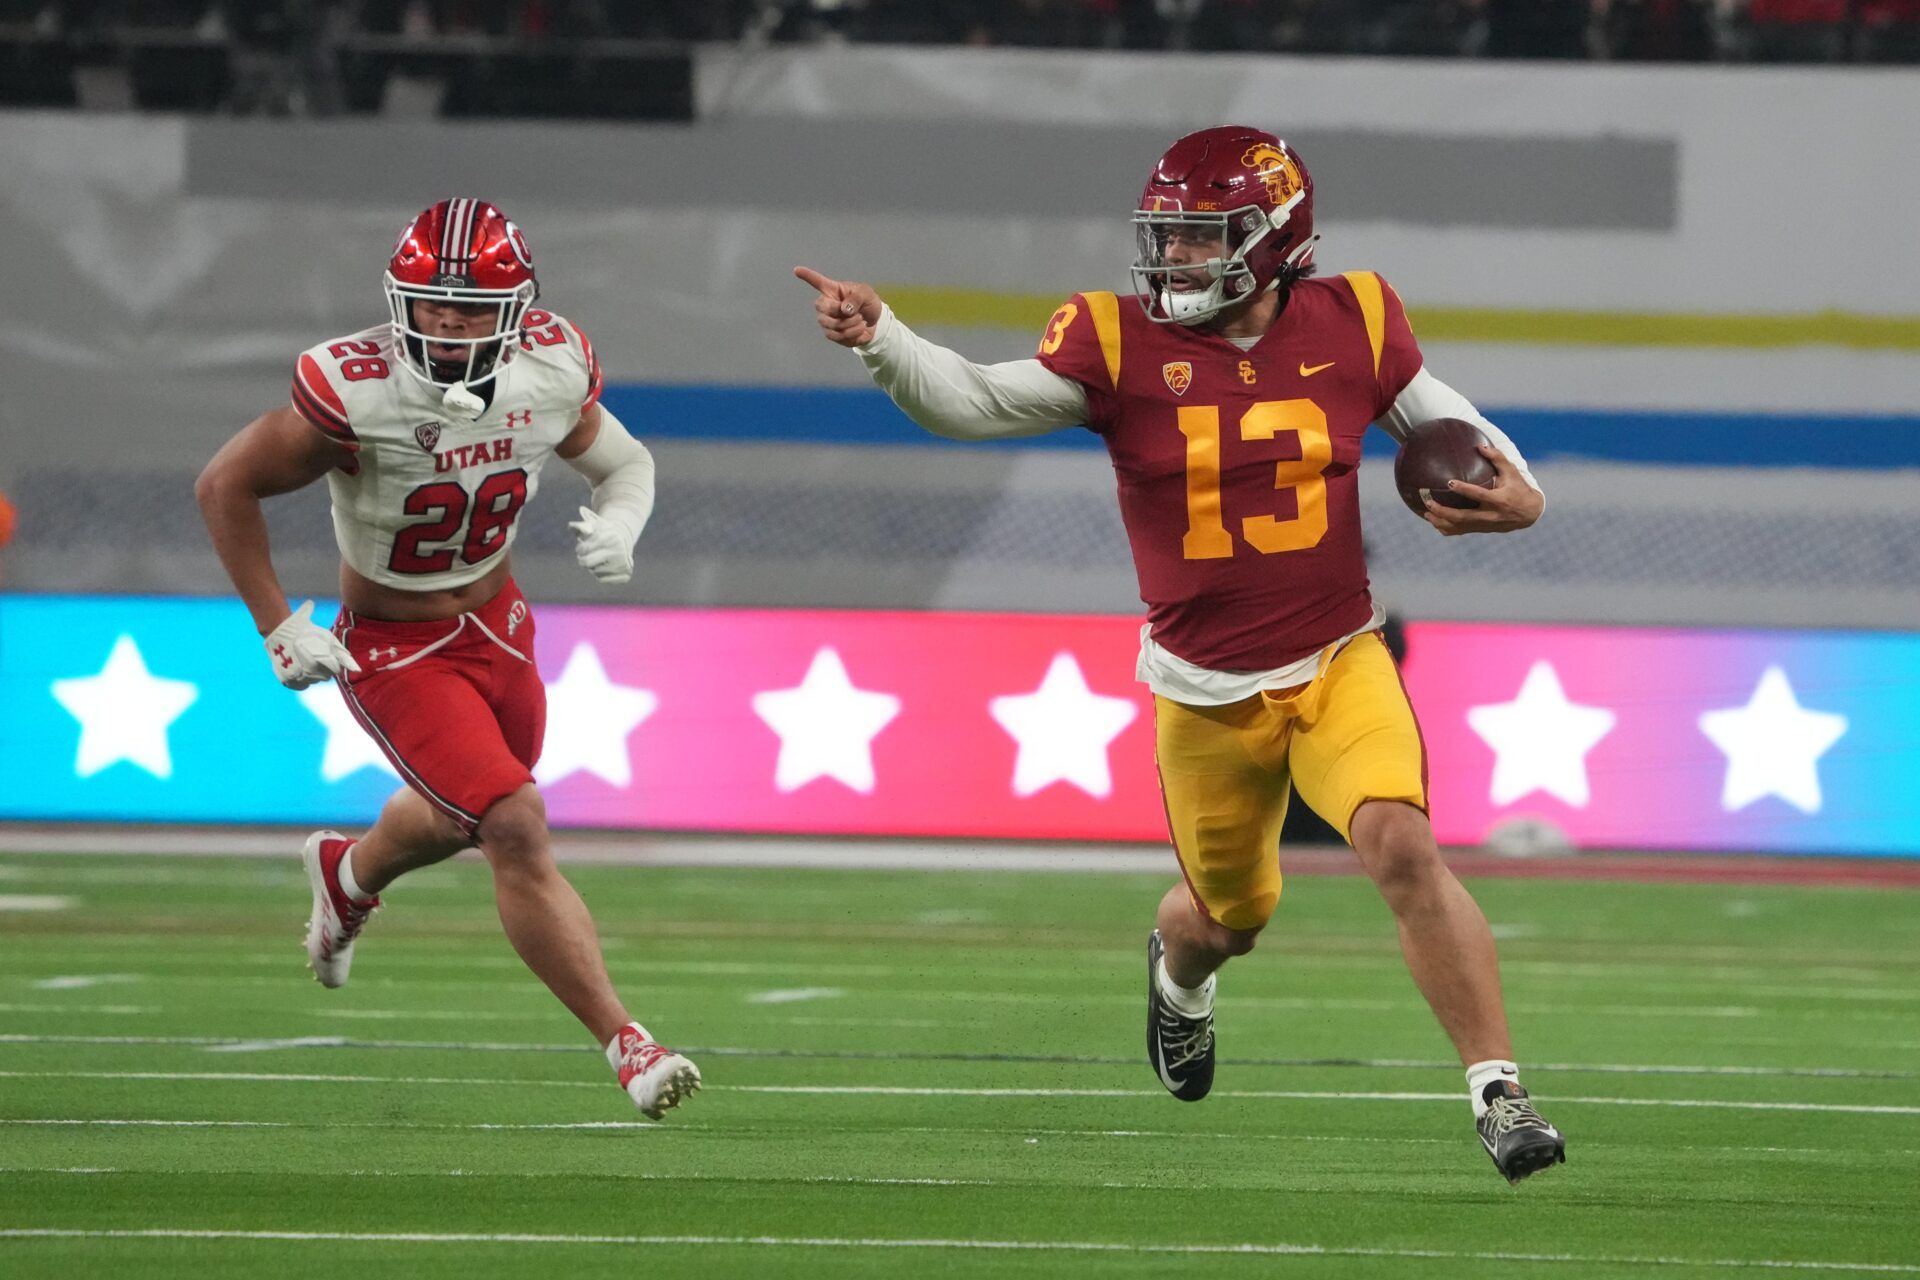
{"x":124,"y":712}
{"x":1540,"y":740}
{"x":350,"y":748}
{"x":589,"y":719}
{"x":1064,"y":729}
{"x":826,"y":726}
{"x":1773,"y":746}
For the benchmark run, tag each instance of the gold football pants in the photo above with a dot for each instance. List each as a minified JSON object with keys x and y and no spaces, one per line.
{"x":1346,"y":737}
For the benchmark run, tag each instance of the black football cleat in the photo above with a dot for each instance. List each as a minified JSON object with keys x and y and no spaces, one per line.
{"x":1515,"y":1136}
{"x":1180,"y":1048}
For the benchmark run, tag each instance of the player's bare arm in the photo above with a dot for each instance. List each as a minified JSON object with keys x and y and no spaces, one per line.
{"x":1509,"y":503}
{"x":276,"y":453}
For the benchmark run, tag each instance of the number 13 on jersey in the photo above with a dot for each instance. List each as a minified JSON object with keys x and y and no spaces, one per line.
{"x":1207,"y":536}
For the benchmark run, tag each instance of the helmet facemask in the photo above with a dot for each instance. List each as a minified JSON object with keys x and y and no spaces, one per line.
{"x":486,"y":355}
{"x":1231,"y":279}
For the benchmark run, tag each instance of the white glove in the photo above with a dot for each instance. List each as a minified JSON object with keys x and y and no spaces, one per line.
{"x":304,"y":654}
{"x":605,"y":549}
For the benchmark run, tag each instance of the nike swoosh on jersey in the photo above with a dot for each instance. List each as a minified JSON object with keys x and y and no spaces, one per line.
{"x":1307,"y":372}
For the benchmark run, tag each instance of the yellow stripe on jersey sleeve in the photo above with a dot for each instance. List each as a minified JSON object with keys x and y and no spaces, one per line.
{"x":1105,"y":310}
{"x":1373,"y":309}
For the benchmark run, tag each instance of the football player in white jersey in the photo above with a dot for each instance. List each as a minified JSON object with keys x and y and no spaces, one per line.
{"x":431,"y":430}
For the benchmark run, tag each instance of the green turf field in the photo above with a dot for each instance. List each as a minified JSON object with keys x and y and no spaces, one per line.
{"x":938,"y":1074}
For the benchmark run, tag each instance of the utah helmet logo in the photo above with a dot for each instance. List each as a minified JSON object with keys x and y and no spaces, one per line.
{"x":517,"y":241}
{"x":427,"y":435}
{"x":1179,"y":375}
{"x":1275,"y":168}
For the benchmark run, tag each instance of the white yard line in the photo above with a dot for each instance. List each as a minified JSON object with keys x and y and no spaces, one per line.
{"x":919,"y":998}
{"x":932,"y":1091}
{"x":1307,"y":1094}
{"x":634,"y":849}
{"x":216,"y":1044}
{"x":1883,"y":978}
{"x":273,"y":1046}
{"x":80,"y":981}
{"x":684,"y":1127}
{"x":1256,"y":1248}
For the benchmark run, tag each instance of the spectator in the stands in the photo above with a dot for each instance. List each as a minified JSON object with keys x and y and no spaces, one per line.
{"x":1797,"y":30}
{"x":8,"y":519}
{"x":1888,"y":31}
{"x":1660,"y":30}
{"x":1535,"y":28}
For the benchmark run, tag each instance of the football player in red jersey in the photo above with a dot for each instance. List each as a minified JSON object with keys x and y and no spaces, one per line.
{"x":1232,"y":393}
{"x":431,"y":430}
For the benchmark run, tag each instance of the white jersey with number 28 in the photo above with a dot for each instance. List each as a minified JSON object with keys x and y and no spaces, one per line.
{"x":430,"y":501}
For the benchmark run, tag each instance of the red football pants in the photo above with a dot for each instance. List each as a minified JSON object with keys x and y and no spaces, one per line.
{"x":455,"y":703}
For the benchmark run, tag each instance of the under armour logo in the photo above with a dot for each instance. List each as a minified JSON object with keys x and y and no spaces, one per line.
{"x":280,"y":652}
{"x":519,"y":418}
{"x":392,"y":651}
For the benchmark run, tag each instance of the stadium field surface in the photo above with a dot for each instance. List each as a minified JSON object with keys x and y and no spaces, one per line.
{"x":939,"y":1073}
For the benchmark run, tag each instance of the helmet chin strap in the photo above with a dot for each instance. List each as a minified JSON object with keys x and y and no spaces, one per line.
{"x":462,"y":404}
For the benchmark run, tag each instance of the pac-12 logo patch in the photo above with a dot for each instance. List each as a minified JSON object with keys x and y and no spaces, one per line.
{"x":427,"y":435}
{"x":515,"y":616}
{"x":1179,"y":375}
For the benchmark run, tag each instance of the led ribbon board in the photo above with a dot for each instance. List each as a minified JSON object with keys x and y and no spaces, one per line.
{"x":954,"y":725}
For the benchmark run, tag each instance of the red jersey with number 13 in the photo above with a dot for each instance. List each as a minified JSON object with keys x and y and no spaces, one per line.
{"x":1238,"y":470}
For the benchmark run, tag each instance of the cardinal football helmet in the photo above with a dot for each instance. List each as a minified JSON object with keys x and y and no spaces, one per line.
{"x":1243,"y":188}
{"x":461,"y":251}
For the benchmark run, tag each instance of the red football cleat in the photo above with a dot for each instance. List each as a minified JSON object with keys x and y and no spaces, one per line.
{"x":654,"y":1076}
{"x":337,"y":919}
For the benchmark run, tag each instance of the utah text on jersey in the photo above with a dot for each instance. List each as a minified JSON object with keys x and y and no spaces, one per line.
{"x":428,"y":503}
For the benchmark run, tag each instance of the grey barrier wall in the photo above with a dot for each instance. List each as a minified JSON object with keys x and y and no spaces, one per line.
{"x":165,"y":271}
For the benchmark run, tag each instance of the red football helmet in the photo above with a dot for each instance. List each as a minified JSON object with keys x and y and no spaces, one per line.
{"x":464,"y":251}
{"x":1242,"y":188}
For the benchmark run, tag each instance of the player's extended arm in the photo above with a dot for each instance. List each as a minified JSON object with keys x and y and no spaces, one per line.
{"x":940,"y":389}
{"x":278,"y":452}
{"x":1515,"y":499}
{"x":620,"y":469}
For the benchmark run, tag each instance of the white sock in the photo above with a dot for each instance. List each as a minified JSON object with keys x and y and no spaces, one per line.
{"x":1482,"y":1074}
{"x":348,"y":885}
{"x":1189,"y":1002}
{"x":613,"y":1045}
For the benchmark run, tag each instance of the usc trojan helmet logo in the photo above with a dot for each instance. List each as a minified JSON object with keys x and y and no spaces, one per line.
{"x":1274,"y":168}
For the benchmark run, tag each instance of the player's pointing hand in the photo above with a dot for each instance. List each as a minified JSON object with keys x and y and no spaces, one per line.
{"x":846,"y":309}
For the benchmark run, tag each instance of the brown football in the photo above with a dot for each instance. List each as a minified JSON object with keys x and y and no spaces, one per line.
{"x":1434,"y":453}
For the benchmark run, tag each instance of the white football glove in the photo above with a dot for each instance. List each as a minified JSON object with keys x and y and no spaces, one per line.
{"x":605,"y":548}
{"x":304,"y":654}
